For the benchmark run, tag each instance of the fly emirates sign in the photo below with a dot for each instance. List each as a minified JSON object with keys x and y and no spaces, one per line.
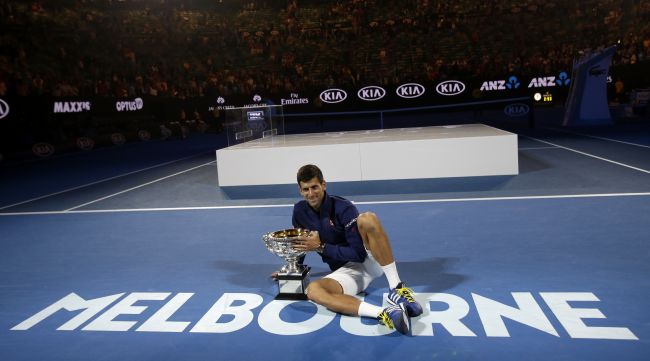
{"x":235,"y":311}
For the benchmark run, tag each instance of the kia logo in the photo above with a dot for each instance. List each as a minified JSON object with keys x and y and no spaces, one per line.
{"x":43,"y":149}
{"x":371,"y":93}
{"x":4,"y":109}
{"x":333,"y":95}
{"x":118,"y":138}
{"x":85,"y":143}
{"x":410,"y":90}
{"x":450,"y":87}
{"x":516,"y":110}
{"x":144,"y":135}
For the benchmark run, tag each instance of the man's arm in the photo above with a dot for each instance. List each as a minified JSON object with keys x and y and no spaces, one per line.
{"x":354,"y":251}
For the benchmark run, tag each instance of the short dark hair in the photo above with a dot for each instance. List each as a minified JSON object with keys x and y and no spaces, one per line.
{"x":308,"y":172}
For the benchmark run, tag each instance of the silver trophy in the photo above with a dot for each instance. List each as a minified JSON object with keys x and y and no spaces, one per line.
{"x":292,"y":278}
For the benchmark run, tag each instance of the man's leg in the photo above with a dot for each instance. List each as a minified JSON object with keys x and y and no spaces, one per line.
{"x":329,"y":293}
{"x":375,"y":238}
{"x":376,"y":241}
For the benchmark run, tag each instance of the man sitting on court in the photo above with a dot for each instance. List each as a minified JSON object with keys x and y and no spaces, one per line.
{"x":357,"y":250}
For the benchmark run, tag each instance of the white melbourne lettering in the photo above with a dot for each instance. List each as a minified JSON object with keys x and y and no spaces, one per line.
{"x":239,"y":307}
{"x":242,"y":314}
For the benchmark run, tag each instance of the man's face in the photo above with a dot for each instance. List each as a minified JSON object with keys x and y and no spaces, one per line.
{"x":313,"y":191}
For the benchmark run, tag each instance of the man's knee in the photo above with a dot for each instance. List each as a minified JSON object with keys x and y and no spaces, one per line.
{"x":314,"y":291}
{"x":317,"y":291}
{"x":367,"y":222}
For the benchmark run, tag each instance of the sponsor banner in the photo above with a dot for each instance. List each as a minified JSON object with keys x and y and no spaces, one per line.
{"x":71,"y":107}
{"x":144,"y":135}
{"x":516,"y":110}
{"x":85,"y":143}
{"x":333,"y":96}
{"x":561,"y":80}
{"x":371,"y":93}
{"x":100,"y":106}
{"x":118,"y":138}
{"x":43,"y":149}
{"x":410,"y":90}
{"x":129,"y":106}
{"x":295,"y":99}
{"x":4,"y":108}
{"x":511,"y":83}
{"x":450,"y":88}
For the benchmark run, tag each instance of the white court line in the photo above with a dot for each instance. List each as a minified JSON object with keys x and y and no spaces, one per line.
{"x":590,"y":155}
{"x":536,"y":148}
{"x":136,"y":187}
{"x":99,"y":181}
{"x":601,"y":138}
{"x":565,"y":196}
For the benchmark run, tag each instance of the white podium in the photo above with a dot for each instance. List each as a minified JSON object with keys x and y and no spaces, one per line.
{"x":407,"y":153}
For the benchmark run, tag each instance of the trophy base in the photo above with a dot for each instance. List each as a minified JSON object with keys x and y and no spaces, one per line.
{"x":292,"y":286}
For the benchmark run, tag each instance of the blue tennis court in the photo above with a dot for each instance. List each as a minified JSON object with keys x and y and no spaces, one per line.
{"x":135,"y":253}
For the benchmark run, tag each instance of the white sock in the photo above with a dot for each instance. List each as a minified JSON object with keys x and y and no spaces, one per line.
{"x":368,"y":310}
{"x":390,"y":271}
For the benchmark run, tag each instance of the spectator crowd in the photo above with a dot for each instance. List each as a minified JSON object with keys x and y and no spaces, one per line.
{"x":191,"y":48}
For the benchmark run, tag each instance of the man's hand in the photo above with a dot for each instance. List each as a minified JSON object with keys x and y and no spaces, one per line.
{"x":310,"y":242}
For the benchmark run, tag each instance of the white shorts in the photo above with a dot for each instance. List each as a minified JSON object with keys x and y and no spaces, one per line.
{"x":355,"y":277}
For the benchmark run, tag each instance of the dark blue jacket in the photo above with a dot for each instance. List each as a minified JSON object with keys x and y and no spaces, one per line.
{"x":337,"y":225}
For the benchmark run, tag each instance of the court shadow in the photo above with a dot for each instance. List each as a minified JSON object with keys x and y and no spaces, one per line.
{"x":257,"y":276}
{"x":424,"y":276}
{"x":384,"y":187}
{"x":528,"y":164}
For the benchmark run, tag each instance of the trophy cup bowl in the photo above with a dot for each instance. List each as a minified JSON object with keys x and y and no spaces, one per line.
{"x":292,"y":277}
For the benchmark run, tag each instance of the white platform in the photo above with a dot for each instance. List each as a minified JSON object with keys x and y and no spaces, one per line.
{"x":407,"y":153}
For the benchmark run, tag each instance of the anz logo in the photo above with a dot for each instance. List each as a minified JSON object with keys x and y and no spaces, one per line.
{"x":511,"y":83}
{"x":550,"y":81}
{"x":371,"y":93}
{"x":516,"y":110}
{"x":333,"y":95}
{"x":450,"y":88}
{"x":410,"y":90}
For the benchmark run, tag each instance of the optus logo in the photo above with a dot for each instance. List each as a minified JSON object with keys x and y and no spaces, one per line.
{"x":333,"y":95}
{"x":450,"y":87}
{"x":125,"y":106}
